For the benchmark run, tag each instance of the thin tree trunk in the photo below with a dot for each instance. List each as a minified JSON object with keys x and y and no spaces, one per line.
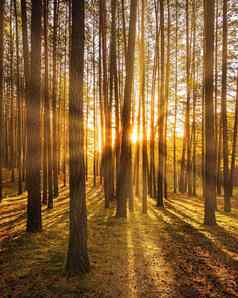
{"x":47,"y":119}
{"x":160,"y":195}
{"x":142,"y":94}
{"x":12,"y":129}
{"x":26,"y":71}
{"x":167,"y":99}
{"x":234,"y":144}
{"x":194,"y":90}
{"x":217,"y":130}
{"x":19,"y":107}
{"x":210,"y":149}
{"x":108,"y":172}
{"x":175,"y":105}
{"x":94,"y":115}
{"x":54,"y":103}
{"x":152,"y":184}
{"x":227,"y":201}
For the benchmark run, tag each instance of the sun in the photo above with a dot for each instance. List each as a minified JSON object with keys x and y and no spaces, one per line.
{"x":134,"y":136}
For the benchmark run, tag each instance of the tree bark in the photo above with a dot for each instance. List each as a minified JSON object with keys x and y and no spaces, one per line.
{"x":227,"y":201}
{"x":124,"y":174}
{"x":54,"y":102}
{"x":33,"y":124}
{"x":210,"y":149}
{"x":77,"y":257}
{"x":175,"y":105}
{"x":142,"y":94}
{"x":234,"y":143}
{"x":160,"y":195}
{"x":2,"y":4}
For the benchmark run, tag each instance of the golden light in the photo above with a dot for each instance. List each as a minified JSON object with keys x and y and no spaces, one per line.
{"x":134,"y":137}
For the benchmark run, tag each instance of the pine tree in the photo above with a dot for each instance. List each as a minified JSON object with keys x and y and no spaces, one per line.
{"x":210,"y":149}
{"x":33,"y":125}
{"x":125,"y":155}
{"x":77,"y":256}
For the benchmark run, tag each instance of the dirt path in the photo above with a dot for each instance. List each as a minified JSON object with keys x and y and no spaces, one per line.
{"x":167,"y":253}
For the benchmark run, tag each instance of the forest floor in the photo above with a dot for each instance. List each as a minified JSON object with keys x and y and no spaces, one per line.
{"x":166,"y":253}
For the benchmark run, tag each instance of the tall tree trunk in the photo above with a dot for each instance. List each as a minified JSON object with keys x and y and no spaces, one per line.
{"x":65,"y":151}
{"x":54,"y":102}
{"x":94,"y":115}
{"x":216,"y":87}
{"x":102,"y":124}
{"x":33,"y":124}
{"x":87,"y":118}
{"x":2,"y":4}
{"x":152,"y":183}
{"x":12,"y":126}
{"x":160,"y":195}
{"x":234,"y":144}
{"x":175,"y":104}
{"x":167,"y":80}
{"x":124,"y":174}
{"x":137,"y":152}
{"x":142,"y":94}
{"x":114,"y":88}
{"x":227,"y":200}
{"x":19,"y":107}
{"x":194,"y":90}
{"x":107,"y":152}
{"x":185,"y":174}
{"x":47,"y":119}
{"x":219,"y":157}
{"x":210,"y":149}
{"x":45,"y":111}
{"x":26,"y":69}
{"x":77,"y":257}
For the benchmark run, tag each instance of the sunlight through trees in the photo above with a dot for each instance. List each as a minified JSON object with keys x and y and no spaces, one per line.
{"x":132,"y":101}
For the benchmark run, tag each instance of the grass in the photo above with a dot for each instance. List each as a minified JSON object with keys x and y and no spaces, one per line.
{"x":166,"y":253}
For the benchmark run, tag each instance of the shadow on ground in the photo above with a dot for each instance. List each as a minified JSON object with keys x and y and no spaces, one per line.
{"x":166,"y":253}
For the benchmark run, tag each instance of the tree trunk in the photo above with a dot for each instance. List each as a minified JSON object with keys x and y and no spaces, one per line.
{"x":124,"y":174}
{"x":107,"y":152}
{"x":152,"y":184}
{"x":2,"y":4}
{"x":160,"y":195}
{"x":234,"y":144}
{"x":142,"y":94}
{"x":227,"y":200}
{"x":175,"y":105}
{"x":26,"y":71}
{"x":19,"y":107}
{"x":12,"y":126}
{"x":33,"y":124}
{"x":167,"y":81}
{"x":54,"y":102}
{"x":194,"y":90}
{"x":210,"y":149}
{"x":77,"y":257}
{"x":47,"y":119}
{"x":94,"y":115}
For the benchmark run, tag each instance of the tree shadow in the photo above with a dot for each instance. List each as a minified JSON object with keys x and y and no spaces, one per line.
{"x":202,"y":269}
{"x":225,"y":237}
{"x":33,"y":264}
